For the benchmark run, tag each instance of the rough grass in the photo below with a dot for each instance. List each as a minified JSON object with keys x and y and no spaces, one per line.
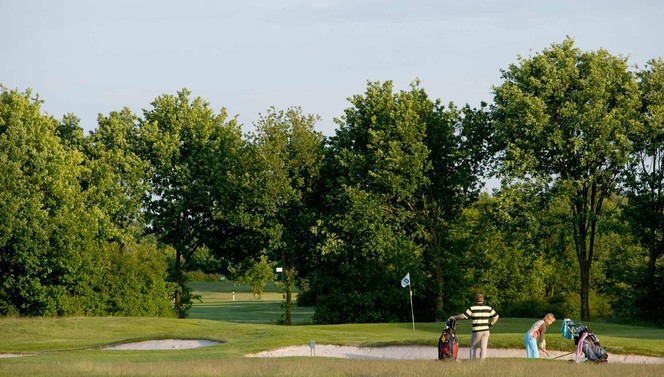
{"x":296,"y":367}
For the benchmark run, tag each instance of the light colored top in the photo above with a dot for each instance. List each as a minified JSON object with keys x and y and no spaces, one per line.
{"x":481,"y":315}
{"x":538,"y":330}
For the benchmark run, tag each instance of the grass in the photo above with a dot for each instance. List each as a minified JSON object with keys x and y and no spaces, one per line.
{"x":71,"y":346}
{"x":295,"y":367}
{"x":224,"y":301}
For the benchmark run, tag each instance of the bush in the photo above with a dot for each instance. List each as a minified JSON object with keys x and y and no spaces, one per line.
{"x":561,"y":305}
{"x":306,"y":296}
{"x":136,"y":282}
{"x":565,"y":305}
{"x":201,"y":276}
{"x":524,"y":309}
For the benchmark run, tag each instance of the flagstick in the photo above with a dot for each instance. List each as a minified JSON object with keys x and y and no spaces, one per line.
{"x":406,"y":282}
{"x":412,"y":313}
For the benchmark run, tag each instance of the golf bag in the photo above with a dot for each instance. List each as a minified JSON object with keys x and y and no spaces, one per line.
{"x":586,"y":342}
{"x":448,"y":346}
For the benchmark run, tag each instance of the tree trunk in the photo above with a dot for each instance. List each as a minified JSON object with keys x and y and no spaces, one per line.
{"x":651,"y":288}
{"x":437,"y":230}
{"x":580,"y":219}
{"x":439,"y":290}
{"x":178,"y":281}
{"x":584,"y":270}
{"x":289,"y":296}
{"x":585,"y":292}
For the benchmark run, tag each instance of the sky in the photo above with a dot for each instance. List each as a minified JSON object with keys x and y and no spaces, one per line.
{"x":98,"y":56}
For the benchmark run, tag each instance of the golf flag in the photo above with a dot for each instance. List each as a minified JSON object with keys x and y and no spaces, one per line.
{"x":406,"y":280}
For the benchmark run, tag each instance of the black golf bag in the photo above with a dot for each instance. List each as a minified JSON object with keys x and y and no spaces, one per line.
{"x":586,"y":342}
{"x":448,"y":346}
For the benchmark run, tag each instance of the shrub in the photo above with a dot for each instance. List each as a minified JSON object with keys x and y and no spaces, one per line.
{"x":199,"y":275}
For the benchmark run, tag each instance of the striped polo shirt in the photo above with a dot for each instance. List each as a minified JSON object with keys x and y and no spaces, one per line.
{"x":481,"y":315}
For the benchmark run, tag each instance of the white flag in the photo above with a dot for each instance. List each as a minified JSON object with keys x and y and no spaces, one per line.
{"x":406,"y":280}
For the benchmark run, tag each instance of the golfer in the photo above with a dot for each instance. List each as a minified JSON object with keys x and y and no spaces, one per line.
{"x":537,"y":331}
{"x":483,"y":317}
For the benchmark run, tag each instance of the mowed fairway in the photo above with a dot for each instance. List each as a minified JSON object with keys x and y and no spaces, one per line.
{"x":225,"y":301}
{"x":72,"y":346}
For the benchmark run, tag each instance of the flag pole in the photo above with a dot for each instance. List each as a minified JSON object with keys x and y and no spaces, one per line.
{"x":406,"y":282}
{"x":412,"y":313}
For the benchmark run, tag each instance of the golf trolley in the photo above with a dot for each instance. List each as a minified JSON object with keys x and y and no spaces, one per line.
{"x":586,"y":342}
{"x":448,"y":346}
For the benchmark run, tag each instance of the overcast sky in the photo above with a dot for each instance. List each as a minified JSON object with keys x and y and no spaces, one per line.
{"x":90,"y":57}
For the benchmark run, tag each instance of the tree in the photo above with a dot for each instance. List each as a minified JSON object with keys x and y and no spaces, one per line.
{"x":45,"y":231}
{"x":565,"y":118}
{"x":377,"y":169}
{"x":644,"y":184}
{"x":289,"y":155}
{"x":458,"y":141}
{"x":194,"y":157}
{"x":70,"y":131}
{"x":491,"y":258}
{"x":256,"y":273}
{"x":116,"y":177}
{"x":524,"y":251}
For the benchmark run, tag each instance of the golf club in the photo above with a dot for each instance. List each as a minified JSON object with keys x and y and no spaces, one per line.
{"x":558,"y":357}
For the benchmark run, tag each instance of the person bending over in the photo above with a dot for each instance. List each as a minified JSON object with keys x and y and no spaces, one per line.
{"x":537,"y":331}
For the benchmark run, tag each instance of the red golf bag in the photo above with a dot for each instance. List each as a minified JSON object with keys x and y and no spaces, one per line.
{"x":448,"y":346}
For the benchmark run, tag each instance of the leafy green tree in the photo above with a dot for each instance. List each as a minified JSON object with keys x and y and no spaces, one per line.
{"x":193,"y":155}
{"x":644,"y":187}
{"x":289,"y":155}
{"x":551,"y":232}
{"x":117,"y":177}
{"x":624,"y":278}
{"x":70,"y":131}
{"x":378,"y":166}
{"x":458,"y":141}
{"x":132,"y":281}
{"x":206,"y":262}
{"x":565,"y":118}
{"x":45,"y":232}
{"x":65,"y":201}
{"x":256,"y":273}
{"x":495,"y":261}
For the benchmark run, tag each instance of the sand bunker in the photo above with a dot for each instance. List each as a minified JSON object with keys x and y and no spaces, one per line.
{"x":166,"y":344}
{"x":428,"y":353}
{"x":8,"y":355}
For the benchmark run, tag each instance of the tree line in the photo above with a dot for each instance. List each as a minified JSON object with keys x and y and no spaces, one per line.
{"x":107,"y":223}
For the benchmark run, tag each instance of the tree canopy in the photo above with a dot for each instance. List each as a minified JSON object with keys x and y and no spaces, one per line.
{"x":110,"y":222}
{"x":566,"y":119}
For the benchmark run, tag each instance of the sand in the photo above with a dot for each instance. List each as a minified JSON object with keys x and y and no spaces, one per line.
{"x":429,"y":353}
{"x":166,"y":344}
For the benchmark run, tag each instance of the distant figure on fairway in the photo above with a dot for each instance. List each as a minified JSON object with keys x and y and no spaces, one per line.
{"x":483,"y":317}
{"x":537,"y":331}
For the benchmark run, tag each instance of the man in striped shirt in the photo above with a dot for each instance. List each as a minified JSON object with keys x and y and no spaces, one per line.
{"x":483,"y":317}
